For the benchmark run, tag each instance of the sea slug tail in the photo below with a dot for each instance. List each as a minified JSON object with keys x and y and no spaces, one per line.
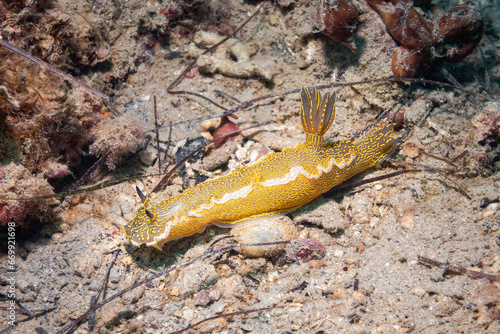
{"x":379,"y":145}
{"x":316,"y":112}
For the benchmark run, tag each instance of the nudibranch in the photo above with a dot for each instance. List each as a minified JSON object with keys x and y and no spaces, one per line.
{"x":277,"y":184}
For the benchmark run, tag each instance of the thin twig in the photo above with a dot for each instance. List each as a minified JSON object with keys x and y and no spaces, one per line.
{"x":252,"y":102}
{"x":486,"y":74}
{"x":211,"y":246}
{"x":52,"y":69}
{"x":460,"y":156}
{"x":451,"y":78}
{"x":168,"y":142}
{"x":157,"y":135}
{"x":432,"y":169}
{"x":91,"y":320}
{"x":382,"y":115}
{"x":334,"y":192}
{"x":438,"y":158}
{"x":78,"y":183}
{"x":459,"y":270}
{"x":229,"y":96}
{"x":28,"y":312}
{"x":95,"y":299}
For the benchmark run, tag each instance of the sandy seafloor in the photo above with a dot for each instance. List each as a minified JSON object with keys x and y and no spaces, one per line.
{"x":371,"y":237}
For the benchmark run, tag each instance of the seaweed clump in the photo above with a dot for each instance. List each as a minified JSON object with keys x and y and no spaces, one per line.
{"x":44,"y":120}
{"x":37,"y":27}
{"x":451,"y":38}
{"x":117,"y":138}
{"x":17,"y":181}
{"x":42,"y":117}
{"x":487,"y":123}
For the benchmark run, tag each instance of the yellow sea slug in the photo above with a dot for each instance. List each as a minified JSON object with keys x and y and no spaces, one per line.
{"x":279,"y":183}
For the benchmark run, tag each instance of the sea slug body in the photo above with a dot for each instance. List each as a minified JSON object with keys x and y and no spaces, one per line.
{"x":277,"y":184}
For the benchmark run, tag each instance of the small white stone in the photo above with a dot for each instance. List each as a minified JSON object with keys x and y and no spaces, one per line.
{"x":374,"y":221}
{"x":491,"y":209}
{"x":254,"y":155}
{"x":241,"y":153}
{"x":418,"y":291}
{"x":272,"y":276}
{"x":338,"y":253}
{"x":127,"y":206}
{"x":187,"y":314}
{"x":147,"y":158}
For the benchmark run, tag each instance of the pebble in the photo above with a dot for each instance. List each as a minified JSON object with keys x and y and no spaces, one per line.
{"x":127,"y":205}
{"x":263,"y":230}
{"x":191,"y":277}
{"x":62,"y":282}
{"x":407,"y":222}
{"x":491,"y":209}
{"x":202,"y":298}
{"x":272,"y":276}
{"x":143,"y":98}
{"x":215,"y":294}
{"x":418,"y":291}
{"x":22,"y":285}
{"x":56,"y":237}
{"x":173,"y":54}
{"x":114,"y":276}
{"x":374,"y":221}
{"x":338,"y":253}
{"x":133,"y":296}
{"x":359,"y":204}
{"x":89,"y":271}
{"x":230,"y":286}
{"x":146,"y":157}
{"x":95,"y":285}
{"x":305,"y":250}
{"x":358,"y":296}
{"x":218,"y":307}
{"x":185,"y":313}
{"x":411,"y":150}
{"x":246,"y":328}
{"x":23,"y":252}
{"x":30,"y":246}
{"x":316,"y":264}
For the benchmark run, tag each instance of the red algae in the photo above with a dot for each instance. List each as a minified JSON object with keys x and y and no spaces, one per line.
{"x":453,"y":37}
{"x":17,"y":181}
{"x":459,"y":31}
{"x":338,"y":19}
{"x":306,"y":250}
{"x":226,"y":127}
